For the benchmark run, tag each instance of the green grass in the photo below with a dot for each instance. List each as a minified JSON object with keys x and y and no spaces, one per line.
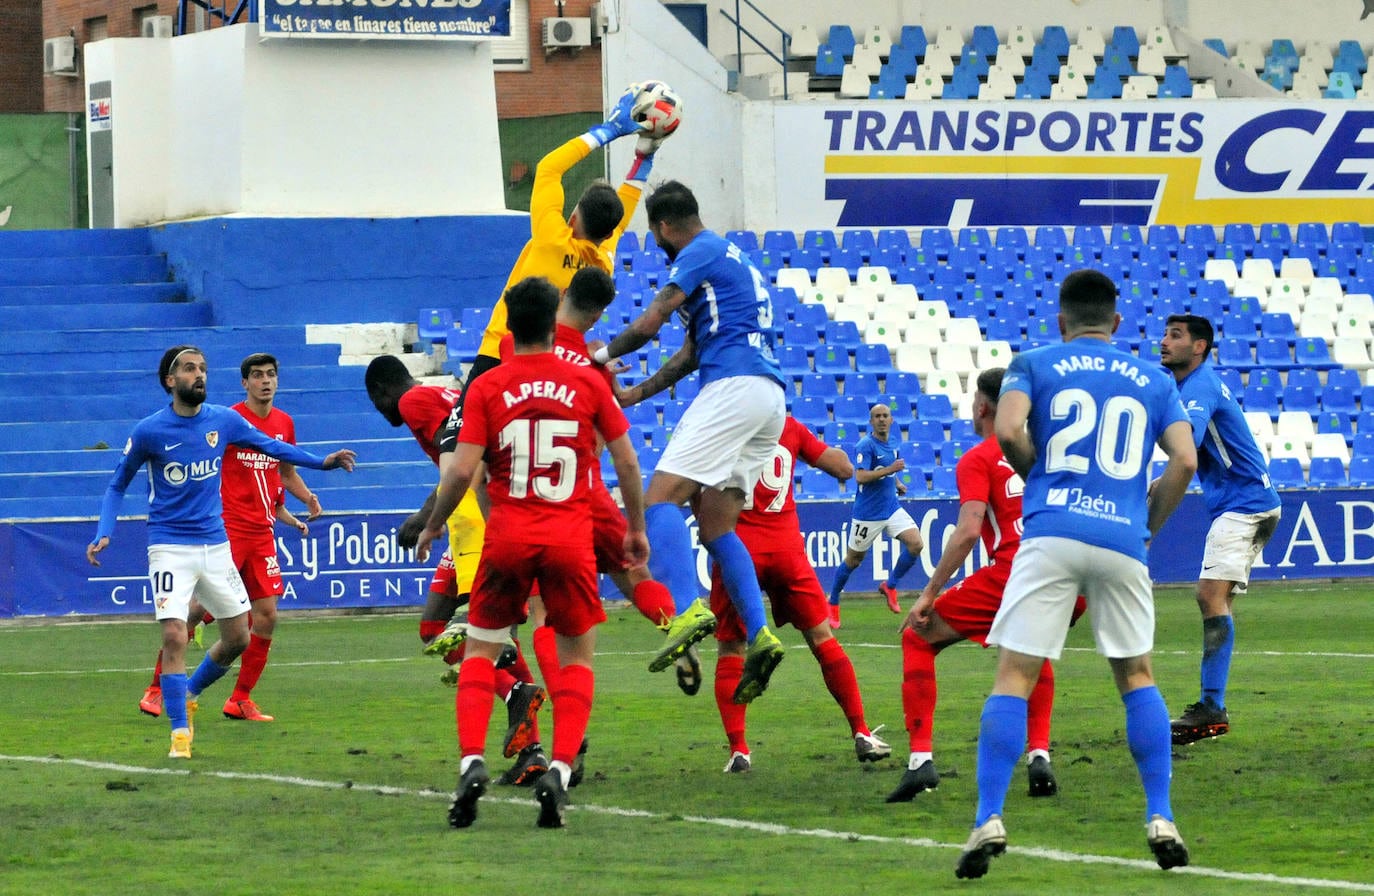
{"x":347,"y":792}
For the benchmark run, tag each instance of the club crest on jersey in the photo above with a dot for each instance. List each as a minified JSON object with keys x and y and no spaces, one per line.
{"x":212,"y":438}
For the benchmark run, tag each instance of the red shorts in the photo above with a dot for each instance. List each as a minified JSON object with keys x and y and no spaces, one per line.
{"x":970,"y":606}
{"x":608,"y":532}
{"x":790,"y":582}
{"x":567,"y":583}
{"x":255,"y":557}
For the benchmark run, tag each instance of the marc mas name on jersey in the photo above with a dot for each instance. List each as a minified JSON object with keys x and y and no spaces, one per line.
{"x":559,"y":392}
{"x":1076,"y":363}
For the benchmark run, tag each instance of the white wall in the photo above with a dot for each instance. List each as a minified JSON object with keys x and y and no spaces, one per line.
{"x":705,"y":153}
{"x":219,"y":123}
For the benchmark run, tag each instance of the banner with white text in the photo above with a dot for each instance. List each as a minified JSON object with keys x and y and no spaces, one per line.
{"x":352,"y":561}
{"x":393,"y":19}
{"x":944,"y":164}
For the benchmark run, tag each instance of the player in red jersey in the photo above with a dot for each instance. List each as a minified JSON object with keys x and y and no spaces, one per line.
{"x":770,"y":530}
{"x":537,"y":421}
{"x":252,"y":487}
{"x":425,"y":410}
{"x":581,"y":306}
{"x":990,"y":509}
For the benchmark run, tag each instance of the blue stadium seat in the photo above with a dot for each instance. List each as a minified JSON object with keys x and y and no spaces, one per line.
{"x":1217,"y":45}
{"x":852,"y":409}
{"x":1239,"y":233}
{"x":809,"y":409}
{"x":865,"y":384}
{"x":1301,"y":398}
{"x":849,"y":259}
{"x":872,"y":358}
{"x":860,"y":241}
{"x":841,"y":333}
{"x":433,"y":324}
{"x":812,"y":260}
{"x":943,"y":483}
{"x":1105,"y":85}
{"x":902,"y":383}
{"x":1311,"y":351}
{"x":1175,"y":83}
{"x":829,"y":62}
{"x":747,"y":240}
{"x":934,"y":407}
{"x":832,"y":359}
{"x":801,"y":332}
{"x":1337,"y":422}
{"x":894,"y":238}
{"x":1350,"y":52}
{"x":1200,"y":235}
{"x":939,"y":239}
{"x":1286,"y":472}
{"x":817,"y":485}
{"x":1362,"y":470}
{"x":1261,"y":397}
{"x":1344,"y":378}
{"x":841,"y":40}
{"x":812,"y":314}
{"x":821,"y":239}
{"x":1231,"y":378}
{"x":1238,"y":326}
{"x":1057,"y":39}
{"x":1273,"y":351}
{"x":984,"y":39}
{"x":1035,"y":85}
{"x":1327,"y":472}
{"x":917,"y":453}
{"x":793,"y":359}
{"x":913,"y":38}
{"x":784,"y":241}
{"x":1126,"y":40}
{"x":1277,"y":324}
{"x":820,"y":385}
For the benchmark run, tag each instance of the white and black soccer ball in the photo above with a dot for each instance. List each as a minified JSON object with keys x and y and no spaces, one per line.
{"x":657,"y":107}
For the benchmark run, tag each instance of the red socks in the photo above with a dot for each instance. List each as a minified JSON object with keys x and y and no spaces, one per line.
{"x":1039,"y":709}
{"x":572,"y":709}
{"x":918,"y":689}
{"x":838,"y":672}
{"x":546,"y":655}
{"x":729,"y":670}
{"x":250,"y":666}
{"x":472,"y":706}
{"x":654,"y":601}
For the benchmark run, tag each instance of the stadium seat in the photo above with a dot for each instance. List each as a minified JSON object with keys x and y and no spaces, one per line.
{"x":1361,"y":471}
{"x":841,"y":40}
{"x":1330,"y":444}
{"x":1327,"y":472}
{"x":433,"y":324}
{"x":913,"y":38}
{"x":817,"y":485}
{"x":872,"y":358}
{"x":1261,"y":397}
{"x":1286,"y":473}
{"x":935,"y":407}
{"x":915,"y":359}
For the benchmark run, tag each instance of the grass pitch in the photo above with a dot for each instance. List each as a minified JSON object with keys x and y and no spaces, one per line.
{"x":347,"y":792}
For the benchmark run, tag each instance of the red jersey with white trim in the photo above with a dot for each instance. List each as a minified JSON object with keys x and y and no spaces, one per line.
{"x":425,"y":409}
{"x":250,"y":482}
{"x":569,"y":344}
{"x":538,"y":419}
{"x":769,"y":520}
{"x":983,"y":474}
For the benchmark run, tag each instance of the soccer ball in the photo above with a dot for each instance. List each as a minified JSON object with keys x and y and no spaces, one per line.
{"x":657,"y":107}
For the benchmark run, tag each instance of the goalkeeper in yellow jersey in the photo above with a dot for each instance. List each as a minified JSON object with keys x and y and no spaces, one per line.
{"x":557,"y":249}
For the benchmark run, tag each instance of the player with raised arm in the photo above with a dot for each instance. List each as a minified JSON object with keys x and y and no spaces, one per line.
{"x":252,"y":490}
{"x":425,"y":411}
{"x":877,"y":511}
{"x":726,"y":436}
{"x":1078,"y":421}
{"x":771,"y":532}
{"x":189,"y":556}
{"x":990,"y":509}
{"x":537,"y":420}
{"x":1241,"y":501}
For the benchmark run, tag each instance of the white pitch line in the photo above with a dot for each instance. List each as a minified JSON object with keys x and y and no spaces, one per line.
{"x":1053,"y":855}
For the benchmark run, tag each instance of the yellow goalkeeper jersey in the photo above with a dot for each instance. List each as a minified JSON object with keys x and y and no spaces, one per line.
{"x":553,"y":252}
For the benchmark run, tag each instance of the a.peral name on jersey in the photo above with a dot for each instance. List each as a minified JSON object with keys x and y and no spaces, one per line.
{"x":1075,"y":363}
{"x":1076,"y":501}
{"x":559,"y":392}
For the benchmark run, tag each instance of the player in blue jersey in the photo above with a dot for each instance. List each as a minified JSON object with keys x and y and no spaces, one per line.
{"x":1078,"y":422}
{"x":188,"y":549}
{"x":1240,"y":500}
{"x":877,"y":511}
{"x":725,"y":437}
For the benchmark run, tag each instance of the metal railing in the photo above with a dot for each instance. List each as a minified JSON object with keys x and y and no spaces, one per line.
{"x":742,"y":32}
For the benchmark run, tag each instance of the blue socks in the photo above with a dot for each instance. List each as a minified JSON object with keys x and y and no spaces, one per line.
{"x":741,"y":580}
{"x":671,"y":560}
{"x":904,"y":564}
{"x":1218,"y":638}
{"x":841,"y":577}
{"x":1001,"y":736}
{"x":174,"y":698}
{"x":206,"y":674}
{"x":1148,"y":736}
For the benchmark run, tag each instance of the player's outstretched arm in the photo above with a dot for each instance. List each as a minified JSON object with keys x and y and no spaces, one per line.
{"x":683,"y":362}
{"x":1168,"y":491}
{"x":835,"y":462}
{"x":632,"y":493}
{"x":644,"y":327}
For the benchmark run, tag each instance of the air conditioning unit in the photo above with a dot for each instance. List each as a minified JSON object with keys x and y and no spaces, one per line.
{"x":59,"y":56}
{"x":157,"y":26}
{"x":561,"y":32}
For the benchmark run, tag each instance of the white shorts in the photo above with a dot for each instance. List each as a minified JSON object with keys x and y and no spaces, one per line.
{"x":1234,"y":543}
{"x":206,"y":572}
{"x":727,"y":434}
{"x":1046,"y":578}
{"x":862,"y":533}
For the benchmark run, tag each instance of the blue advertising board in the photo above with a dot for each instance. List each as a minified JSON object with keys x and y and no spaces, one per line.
{"x":390,"y":19}
{"x":352,"y":561}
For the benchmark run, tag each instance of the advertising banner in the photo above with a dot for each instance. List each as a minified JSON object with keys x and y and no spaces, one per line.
{"x":950,"y":164}
{"x":395,"y":19}
{"x":351,"y":560}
